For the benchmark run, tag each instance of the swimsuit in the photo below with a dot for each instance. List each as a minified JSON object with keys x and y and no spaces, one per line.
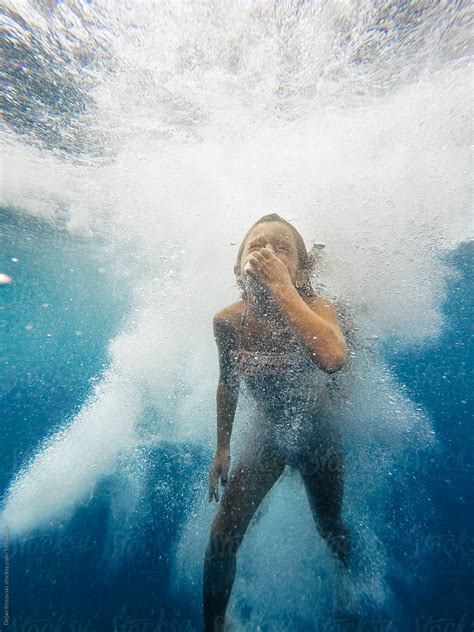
{"x":251,"y":364}
{"x":291,"y":394}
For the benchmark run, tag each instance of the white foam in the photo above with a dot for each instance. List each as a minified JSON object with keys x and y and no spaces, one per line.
{"x":66,"y":468}
{"x":356,"y":135}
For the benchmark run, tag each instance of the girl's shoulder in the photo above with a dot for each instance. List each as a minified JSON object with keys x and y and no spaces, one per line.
{"x":229,"y":317}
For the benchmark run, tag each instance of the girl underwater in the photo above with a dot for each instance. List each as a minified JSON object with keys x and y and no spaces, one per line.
{"x":282,"y":342}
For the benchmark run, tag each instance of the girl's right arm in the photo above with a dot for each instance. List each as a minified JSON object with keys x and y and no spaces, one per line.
{"x":226,"y":400}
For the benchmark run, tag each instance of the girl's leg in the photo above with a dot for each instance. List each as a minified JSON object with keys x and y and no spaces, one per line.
{"x":249,"y":482}
{"x":323,"y":478}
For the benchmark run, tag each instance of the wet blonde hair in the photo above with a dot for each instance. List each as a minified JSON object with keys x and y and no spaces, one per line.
{"x":306,"y":261}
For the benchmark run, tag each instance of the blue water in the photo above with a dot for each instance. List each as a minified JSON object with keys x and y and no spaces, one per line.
{"x":141,"y":141}
{"x":85,"y":575}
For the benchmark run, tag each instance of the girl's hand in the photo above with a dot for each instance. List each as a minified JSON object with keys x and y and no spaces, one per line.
{"x":266,"y":268}
{"x":219,"y":469}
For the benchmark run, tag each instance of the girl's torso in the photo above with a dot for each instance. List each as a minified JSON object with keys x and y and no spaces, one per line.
{"x":290,"y":392}
{"x":269,"y":360}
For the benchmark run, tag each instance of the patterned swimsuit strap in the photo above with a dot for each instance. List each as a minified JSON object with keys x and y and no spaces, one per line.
{"x":241,"y":326}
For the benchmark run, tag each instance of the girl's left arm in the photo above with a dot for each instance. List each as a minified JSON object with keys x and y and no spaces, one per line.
{"x":315,"y":326}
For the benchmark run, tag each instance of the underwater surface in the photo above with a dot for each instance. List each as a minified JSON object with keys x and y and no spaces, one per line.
{"x":140,"y":142}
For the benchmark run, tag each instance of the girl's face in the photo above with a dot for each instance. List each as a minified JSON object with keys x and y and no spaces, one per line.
{"x":280,"y":238}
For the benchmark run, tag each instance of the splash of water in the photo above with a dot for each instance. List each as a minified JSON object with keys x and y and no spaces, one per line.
{"x":178,"y":126}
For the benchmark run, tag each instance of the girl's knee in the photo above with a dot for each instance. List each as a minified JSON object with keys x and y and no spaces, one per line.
{"x":335,"y":532}
{"x":222,"y":545}
{"x":330,"y":523}
{"x":225,"y":538}
{"x":337,"y":536}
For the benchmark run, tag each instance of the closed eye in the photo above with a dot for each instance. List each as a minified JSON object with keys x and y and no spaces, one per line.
{"x":284,"y":247}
